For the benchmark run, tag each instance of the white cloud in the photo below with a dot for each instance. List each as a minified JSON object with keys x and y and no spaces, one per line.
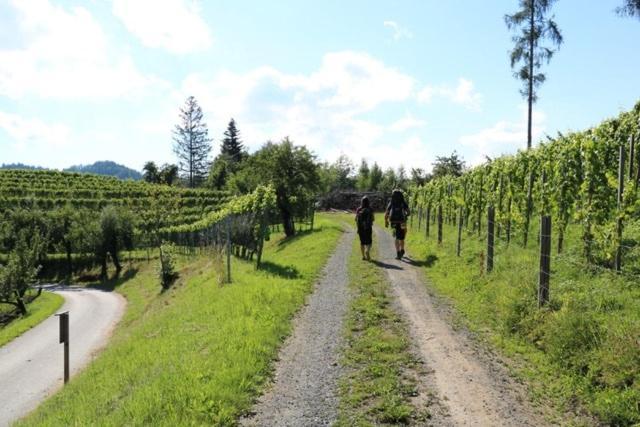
{"x":174,"y":25}
{"x":398,"y":31}
{"x":322,"y":109}
{"x":504,"y":136}
{"x":27,"y":132}
{"x":462,"y":94}
{"x":406,"y":123}
{"x":66,"y":54}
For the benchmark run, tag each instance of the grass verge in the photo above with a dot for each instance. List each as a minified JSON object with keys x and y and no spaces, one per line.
{"x":40,"y":309}
{"x":379,"y":383}
{"x":581,"y":351}
{"x":201,"y":352}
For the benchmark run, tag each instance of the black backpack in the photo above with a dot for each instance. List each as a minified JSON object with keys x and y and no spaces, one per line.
{"x":397,"y":212}
{"x":363,"y":218}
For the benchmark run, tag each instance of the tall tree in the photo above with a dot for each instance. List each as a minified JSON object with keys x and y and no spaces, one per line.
{"x":528,"y":55}
{"x":168,"y":174}
{"x":192,"y":143}
{"x":629,"y":8}
{"x":447,"y":165}
{"x":150,"y":173}
{"x":418,"y":177}
{"x":362,"y":181}
{"x":375,"y":177}
{"x":231,"y":146}
{"x":292,"y":172}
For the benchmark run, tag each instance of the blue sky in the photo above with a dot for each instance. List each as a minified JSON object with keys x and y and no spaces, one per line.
{"x":392,"y":82}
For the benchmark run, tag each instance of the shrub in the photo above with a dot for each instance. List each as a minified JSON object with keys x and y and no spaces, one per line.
{"x":166,"y":272}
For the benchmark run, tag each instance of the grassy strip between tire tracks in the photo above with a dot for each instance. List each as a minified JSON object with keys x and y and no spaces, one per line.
{"x":379,"y":383}
{"x":583,"y":350}
{"x":38,"y":310}
{"x":200,"y":353}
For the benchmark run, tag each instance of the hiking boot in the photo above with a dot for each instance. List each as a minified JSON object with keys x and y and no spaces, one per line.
{"x":401,"y":253}
{"x":398,"y":256}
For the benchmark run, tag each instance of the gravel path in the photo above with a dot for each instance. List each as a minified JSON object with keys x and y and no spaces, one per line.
{"x":471,"y":383}
{"x":31,"y":365}
{"x":305,"y":389}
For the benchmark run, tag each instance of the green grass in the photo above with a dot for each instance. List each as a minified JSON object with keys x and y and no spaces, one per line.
{"x":379,"y":383}
{"x":200,"y":353}
{"x":581,"y":351}
{"x":40,"y":309}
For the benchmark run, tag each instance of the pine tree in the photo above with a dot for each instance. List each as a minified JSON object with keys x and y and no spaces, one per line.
{"x":629,"y":8}
{"x":232,"y":147}
{"x":192,"y":143}
{"x":533,"y":26}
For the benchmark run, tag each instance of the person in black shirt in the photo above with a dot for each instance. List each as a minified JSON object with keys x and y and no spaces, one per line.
{"x":396,"y":214}
{"x":364,"y":221}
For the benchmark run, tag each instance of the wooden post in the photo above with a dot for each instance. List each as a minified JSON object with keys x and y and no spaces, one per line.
{"x":508,"y":228}
{"x":527,"y":219}
{"x":490,"y":237}
{"x":419,"y":218}
{"x":64,"y":338}
{"x":632,"y":151}
{"x":500,"y":197}
{"x":439,"y":224}
{"x":620,"y":195}
{"x":545,"y":260}
{"x":459,"y":245}
{"x":228,"y":249}
{"x":480,"y":205}
{"x":427,"y":221}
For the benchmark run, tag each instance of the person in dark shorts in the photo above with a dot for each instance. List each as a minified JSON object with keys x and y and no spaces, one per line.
{"x":364,"y":221}
{"x":396,"y":215}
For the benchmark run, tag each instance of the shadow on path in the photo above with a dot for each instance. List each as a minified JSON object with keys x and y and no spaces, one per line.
{"x":385,"y":265}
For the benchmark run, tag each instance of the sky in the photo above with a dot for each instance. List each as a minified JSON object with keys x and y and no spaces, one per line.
{"x":393,"y":82}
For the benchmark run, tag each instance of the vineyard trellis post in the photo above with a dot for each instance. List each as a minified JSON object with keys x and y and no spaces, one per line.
{"x":621,"y":160}
{"x":419,"y":217}
{"x":228,"y":244}
{"x":529,"y":208}
{"x":440,"y":224}
{"x":545,"y":260}
{"x":427,"y":221}
{"x":459,"y":243}
{"x":632,"y":151}
{"x":490,"y":237}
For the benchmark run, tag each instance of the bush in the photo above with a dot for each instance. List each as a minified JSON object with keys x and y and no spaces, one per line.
{"x":167,"y":272}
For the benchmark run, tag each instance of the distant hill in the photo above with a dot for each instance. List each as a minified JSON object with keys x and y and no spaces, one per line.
{"x":21,"y":166}
{"x":107,"y":168}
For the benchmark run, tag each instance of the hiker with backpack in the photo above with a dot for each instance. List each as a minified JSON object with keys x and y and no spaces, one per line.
{"x":364,"y":222}
{"x":396,"y":214}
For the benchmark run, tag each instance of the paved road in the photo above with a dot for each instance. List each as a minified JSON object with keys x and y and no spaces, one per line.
{"x":31,"y":365}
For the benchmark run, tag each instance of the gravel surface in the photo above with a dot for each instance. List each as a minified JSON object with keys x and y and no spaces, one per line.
{"x":471,"y":384}
{"x":304,"y":392}
{"x":31,"y":366}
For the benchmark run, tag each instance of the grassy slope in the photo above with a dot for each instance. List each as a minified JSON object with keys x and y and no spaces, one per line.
{"x":379,"y":384}
{"x":584,"y":347}
{"x":40,"y":309}
{"x":200,"y":353}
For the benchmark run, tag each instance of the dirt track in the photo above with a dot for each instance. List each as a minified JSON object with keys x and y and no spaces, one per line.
{"x":471,"y":384}
{"x":304,"y":392}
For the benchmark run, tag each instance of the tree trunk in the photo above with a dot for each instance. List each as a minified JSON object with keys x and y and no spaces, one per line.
{"x":116,"y":262}
{"x":530,"y":100}
{"x":69,"y":261}
{"x":287,"y":223}
{"x":22,"y":308}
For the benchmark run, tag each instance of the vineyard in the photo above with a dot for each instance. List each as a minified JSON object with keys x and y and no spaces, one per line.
{"x":57,"y":224}
{"x":587,"y":179}
{"x":543,"y":249}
